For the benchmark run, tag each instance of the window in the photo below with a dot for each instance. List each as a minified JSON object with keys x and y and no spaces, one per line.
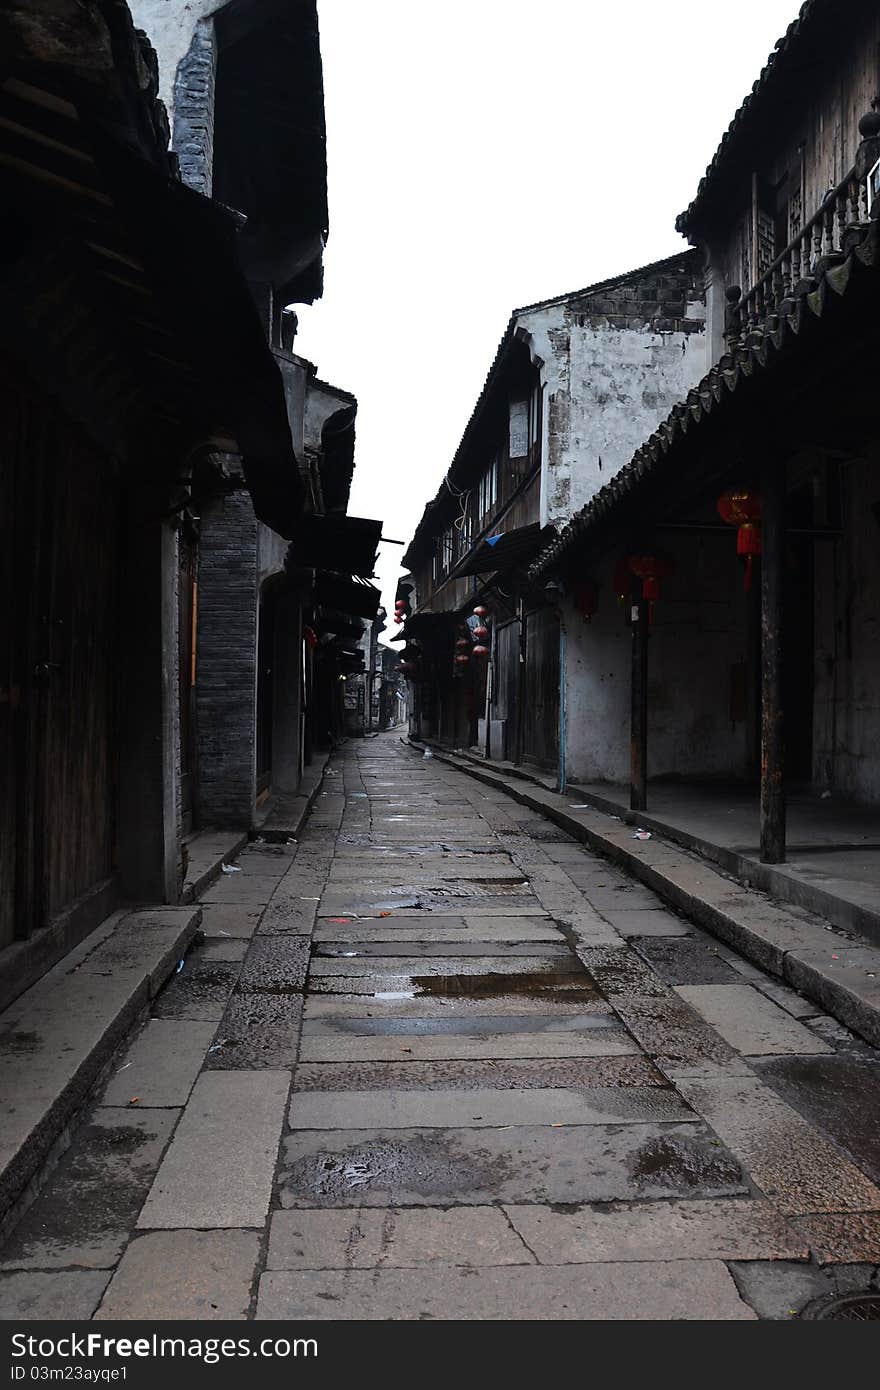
{"x":487,"y":493}
{"x":535,"y":417}
{"x":445,"y":553}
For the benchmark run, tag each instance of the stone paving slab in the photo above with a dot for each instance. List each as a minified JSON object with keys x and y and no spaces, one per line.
{"x":558,"y":963}
{"x":252,"y":890}
{"x":555,"y":950}
{"x":646,"y":922}
{"x":257,"y":1030}
{"x":36,"y":1296}
{"x":848,"y":1238}
{"x":793,"y":1165}
{"x":199,"y":992}
{"x":161,"y":1065}
{"x":387,"y":1238}
{"x":572,"y":1163}
{"x":687,"y":961}
{"x":218,"y":1170}
{"x":508,"y":1074}
{"x":839,"y":1094}
{"x":275,"y":963}
{"x":472,"y":1025}
{"x":223,"y":948}
{"x":597,"y":1043}
{"x":687,"y":1290}
{"x":560,"y":1000}
{"x":91,"y":1200}
{"x":779,"y":1290}
{"x":752,"y":1024}
{"x":226,"y":919}
{"x":670,"y":1031}
{"x":431,"y":1109}
{"x":177,"y":1275}
{"x":732,"y":1229}
{"x":391,"y":929}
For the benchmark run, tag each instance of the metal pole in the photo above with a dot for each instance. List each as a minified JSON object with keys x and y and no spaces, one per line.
{"x":638,"y":792}
{"x":772,"y":728}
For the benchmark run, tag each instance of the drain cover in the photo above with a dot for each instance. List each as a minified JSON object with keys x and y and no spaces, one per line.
{"x":849,"y":1307}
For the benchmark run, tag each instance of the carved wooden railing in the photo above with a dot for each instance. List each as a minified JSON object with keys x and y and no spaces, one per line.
{"x":793,"y":269}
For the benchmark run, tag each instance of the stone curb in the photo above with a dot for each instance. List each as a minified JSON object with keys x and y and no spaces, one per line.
{"x":194,"y":888}
{"x":835,"y":968}
{"x":303,"y":803}
{"x":139,"y":966}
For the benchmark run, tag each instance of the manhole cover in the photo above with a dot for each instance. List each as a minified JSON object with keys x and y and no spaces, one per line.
{"x":850,"y":1307}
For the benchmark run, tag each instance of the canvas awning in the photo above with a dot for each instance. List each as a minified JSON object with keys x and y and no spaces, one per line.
{"x":507,"y":550}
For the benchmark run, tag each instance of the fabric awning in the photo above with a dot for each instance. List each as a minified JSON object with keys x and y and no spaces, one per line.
{"x":507,"y":550}
{"x":347,"y":543}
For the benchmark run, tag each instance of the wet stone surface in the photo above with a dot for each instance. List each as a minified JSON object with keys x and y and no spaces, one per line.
{"x":596,"y":1163}
{"x":685,"y":961}
{"x":257,"y":1030}
{"x":200,"y":991}
{"x":521,"y":1074}
{"x":840,"y":1095}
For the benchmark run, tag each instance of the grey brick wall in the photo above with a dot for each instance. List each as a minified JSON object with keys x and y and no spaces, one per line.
{"x":193,"y":138}
{"x":667,"y":299}
{"x":226,"y":662}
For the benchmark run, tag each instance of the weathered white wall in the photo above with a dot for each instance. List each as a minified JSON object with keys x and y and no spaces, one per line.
{"x":170,"y":25}
{"x":699,"y":633}
{"x":607,"y":390}
{"x":846,"y":714}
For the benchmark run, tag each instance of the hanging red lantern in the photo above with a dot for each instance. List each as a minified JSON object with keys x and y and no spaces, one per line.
{"x":462,"y":660}
{"x":586,"y":599}
{"x":310,"y":637}
{"x":462,"y":644}
{"x":479,"y":632}
{"x":651,"y":569}
{"x":481,"y":651}
{"x":480,"y":611}
{"x":741,"y":507}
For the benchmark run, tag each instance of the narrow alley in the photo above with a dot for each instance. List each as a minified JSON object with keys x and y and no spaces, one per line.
{"x":439,"y":1060}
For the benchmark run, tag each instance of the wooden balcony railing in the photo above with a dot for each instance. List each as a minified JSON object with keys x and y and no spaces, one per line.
{"x":792,"y":272}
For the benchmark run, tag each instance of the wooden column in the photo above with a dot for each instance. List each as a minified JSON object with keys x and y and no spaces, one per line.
{"x":772,"y":728}
{"x":638,"y":794}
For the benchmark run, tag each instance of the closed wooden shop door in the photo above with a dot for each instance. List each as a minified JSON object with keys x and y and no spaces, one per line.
{"x":60,"y":536}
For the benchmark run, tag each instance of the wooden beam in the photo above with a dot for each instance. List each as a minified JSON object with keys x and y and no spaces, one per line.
{"x":638,"y":792}
{"x":772,"y":726}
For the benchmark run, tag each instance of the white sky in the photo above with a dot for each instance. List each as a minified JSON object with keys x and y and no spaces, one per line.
{"x":484,"y":154}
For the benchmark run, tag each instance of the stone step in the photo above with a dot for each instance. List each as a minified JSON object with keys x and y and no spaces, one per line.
{"x":57,"y":1037}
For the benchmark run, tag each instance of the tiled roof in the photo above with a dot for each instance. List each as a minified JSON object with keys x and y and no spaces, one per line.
{"x":776,"y":63}
{"x":718,"y":388}
{"x":503,"y":346}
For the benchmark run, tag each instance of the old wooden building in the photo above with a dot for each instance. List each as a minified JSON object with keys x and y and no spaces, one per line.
{"x":576,"y":383}
{"x":728,"y":678}
{"x":163,"y":448}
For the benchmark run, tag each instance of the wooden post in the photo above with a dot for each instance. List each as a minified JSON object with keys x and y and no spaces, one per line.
{"x":772,"y":729}
{"x":638,"y":794}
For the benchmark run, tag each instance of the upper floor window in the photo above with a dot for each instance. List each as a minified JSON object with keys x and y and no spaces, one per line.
{"x":487,"y":491}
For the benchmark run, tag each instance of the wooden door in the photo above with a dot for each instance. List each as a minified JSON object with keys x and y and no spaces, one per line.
{"x":540,"y":712}
{"x":61,"y":585}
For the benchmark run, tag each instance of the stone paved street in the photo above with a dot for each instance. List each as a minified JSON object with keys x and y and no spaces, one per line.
{"x":439,"y":1060}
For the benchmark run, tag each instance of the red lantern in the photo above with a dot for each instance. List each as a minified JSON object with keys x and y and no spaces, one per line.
{"x":481,"y":651}
{"x":310,"y":637}
{"x":462,"y":660}
{"x":651,"y":569}
{"x":400,"y":603}
{"x":741,"y":507}
{"x":480,"y":611}
{"x":586,"y":599}
{"x":462,"y":644}
{"x":479,"y":632}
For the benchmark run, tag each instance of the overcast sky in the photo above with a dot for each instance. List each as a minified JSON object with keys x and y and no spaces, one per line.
{"x":484,"y":154}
